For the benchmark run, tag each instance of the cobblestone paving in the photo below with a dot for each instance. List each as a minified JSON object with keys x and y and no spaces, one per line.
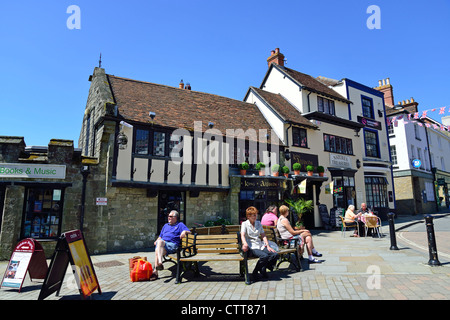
{"x":352,"y":268}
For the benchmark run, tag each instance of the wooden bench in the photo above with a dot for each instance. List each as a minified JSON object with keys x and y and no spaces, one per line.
{"x":208,"y":247}
{"x":223,"y":243}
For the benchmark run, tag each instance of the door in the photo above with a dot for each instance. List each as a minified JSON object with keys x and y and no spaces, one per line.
{"x":168,"y":201}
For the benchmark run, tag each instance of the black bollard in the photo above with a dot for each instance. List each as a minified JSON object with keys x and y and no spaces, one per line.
{"x":431,"y":242}
{"x":392,"y":231}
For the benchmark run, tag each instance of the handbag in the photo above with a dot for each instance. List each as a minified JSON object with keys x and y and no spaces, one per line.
{"x":132,"y":261}
{"x":142,"y":271}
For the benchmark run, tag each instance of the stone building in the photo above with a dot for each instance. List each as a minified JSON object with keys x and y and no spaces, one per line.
{"x":40,"y":192}
{"x":162,"y":148}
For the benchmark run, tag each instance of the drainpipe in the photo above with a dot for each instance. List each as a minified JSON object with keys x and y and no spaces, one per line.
{"x":309,"y":106}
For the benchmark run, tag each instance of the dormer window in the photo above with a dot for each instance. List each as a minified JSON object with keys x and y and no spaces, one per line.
{"x":325,"y":105}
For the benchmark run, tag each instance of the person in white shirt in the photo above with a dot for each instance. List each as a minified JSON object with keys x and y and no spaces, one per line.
{"x":251,"y":234}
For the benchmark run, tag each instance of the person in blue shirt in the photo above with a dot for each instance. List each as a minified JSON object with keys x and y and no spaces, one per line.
{"x":168,"y":241}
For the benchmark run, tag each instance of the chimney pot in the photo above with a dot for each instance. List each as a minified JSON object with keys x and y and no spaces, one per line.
{"x":276,"y":57}
{"x":380,"y":83}
{"x":412,"y":99}
{"x":384,"y":82}
{"x":388,"y":81}
{"x":181,"y":85}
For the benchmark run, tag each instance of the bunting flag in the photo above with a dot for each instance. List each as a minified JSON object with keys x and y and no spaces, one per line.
{"x":417,"y":116}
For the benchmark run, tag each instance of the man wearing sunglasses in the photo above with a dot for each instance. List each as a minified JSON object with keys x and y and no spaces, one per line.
{"x":168,"y":241}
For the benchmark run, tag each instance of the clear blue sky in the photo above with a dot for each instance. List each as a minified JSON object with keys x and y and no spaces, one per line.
{"x":219,"y":47}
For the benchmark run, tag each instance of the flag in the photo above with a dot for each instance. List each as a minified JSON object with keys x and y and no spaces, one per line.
{"x":302,"y":186}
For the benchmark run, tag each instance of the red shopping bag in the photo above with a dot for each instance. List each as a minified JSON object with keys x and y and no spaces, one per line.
{"x":142,"y":271}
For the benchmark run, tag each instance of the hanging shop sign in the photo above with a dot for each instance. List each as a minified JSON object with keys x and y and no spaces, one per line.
{"x":35,"y":171}
{"x":416,"y":163}
{"x":71,"y":247}
{"x":369,"y":123}
{"x":28,"y":255}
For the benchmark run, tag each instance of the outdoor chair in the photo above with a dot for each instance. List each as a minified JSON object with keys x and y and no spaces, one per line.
{"x":345,"y":226}
{"x":373,"y":222}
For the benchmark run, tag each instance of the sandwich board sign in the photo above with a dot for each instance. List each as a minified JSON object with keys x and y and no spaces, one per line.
{"x":71,"y":248}
{"x":28,"y":255}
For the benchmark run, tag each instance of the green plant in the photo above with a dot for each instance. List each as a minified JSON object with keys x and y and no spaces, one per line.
{"x":220,"y":221}
{"x":285,"y":169}
{"x":296,"y":166}
{"x":243,"y":166}
{"x":300,"y":206}
{"x":309,"y":168}
{"x":320,"y":169}
{"x":275,"y":168}
{"x":260,"y":166}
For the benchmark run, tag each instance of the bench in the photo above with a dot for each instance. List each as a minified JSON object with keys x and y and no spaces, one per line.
{"x":196,"y":248}
{"x":223,"y":243}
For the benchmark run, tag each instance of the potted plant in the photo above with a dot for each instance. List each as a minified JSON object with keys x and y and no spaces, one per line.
{"x":243,"y":167}
{"x":260,"y":167}
{"x":310,"y":169}
{"x":296,"y":166}
{"x":300,"y":206}
{"x":275,"y":170}
{"x":320,"y":170}
{"x":285,"y":171}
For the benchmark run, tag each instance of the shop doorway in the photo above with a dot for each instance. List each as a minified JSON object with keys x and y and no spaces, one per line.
{"x":168,"y":201}
{"x":260,"y":199}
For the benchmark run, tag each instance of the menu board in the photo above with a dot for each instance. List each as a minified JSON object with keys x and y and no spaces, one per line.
{"x":28,"y":255}
{"x":82,"y":265}
{"x":71,"y":247}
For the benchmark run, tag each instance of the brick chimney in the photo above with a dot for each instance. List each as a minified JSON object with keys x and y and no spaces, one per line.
{"x":276,"y":57}
{"x":385,"y":87}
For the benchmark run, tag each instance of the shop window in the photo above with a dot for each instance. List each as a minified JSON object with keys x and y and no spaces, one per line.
{"x":376,"y":192}
{"x":42,"y":217}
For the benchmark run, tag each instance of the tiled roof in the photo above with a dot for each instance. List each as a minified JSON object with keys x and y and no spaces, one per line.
{"x":179,"y":108}
{"x":312,"y":84}
{"x":283,"y":107}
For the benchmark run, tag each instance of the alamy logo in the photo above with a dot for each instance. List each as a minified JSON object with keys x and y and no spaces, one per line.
{"x":374,"y":21}
{"x":74,"y":20}
{"x":374,"y":280}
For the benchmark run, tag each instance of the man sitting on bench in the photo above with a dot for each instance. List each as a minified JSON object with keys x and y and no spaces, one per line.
{"x":168,"y":240}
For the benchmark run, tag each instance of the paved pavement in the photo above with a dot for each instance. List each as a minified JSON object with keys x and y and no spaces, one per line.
{"x":352,"y":268}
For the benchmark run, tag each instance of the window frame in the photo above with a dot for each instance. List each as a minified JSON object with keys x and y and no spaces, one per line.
{"x":297,"y":132}
{"x":330,"y":105}
{"x":150,"y":146}
{"x":371,"y":114}
{"x":333,"y":146}
{"x":377,"y":144}
{"x":39,"y":209}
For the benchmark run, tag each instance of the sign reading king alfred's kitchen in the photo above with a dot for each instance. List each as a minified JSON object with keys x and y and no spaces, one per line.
{"x":35,"y":171}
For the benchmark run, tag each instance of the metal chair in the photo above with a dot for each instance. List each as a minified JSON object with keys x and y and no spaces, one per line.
{"x":345,"y":226}
{"x":373,"y":222}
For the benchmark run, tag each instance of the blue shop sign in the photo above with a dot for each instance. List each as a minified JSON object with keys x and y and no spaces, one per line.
{"x":416,"y":163}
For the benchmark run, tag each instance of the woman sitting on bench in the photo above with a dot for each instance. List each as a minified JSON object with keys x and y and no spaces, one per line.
{"x":251,"y":233}
{"x":287,"y":232}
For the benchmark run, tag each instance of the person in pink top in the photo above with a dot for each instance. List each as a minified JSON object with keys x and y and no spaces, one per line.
{"x":270,"y":218}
